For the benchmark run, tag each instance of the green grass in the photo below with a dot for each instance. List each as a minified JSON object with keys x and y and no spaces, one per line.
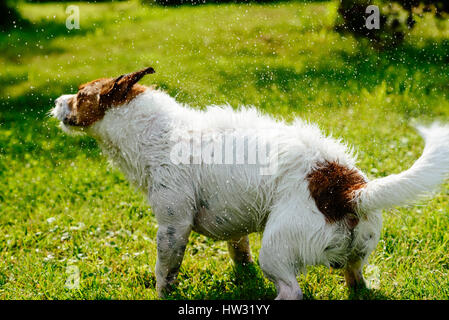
{"x":61,"y":205}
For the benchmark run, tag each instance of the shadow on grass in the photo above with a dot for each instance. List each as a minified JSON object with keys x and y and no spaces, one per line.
{"x":35,"y":102}
{"x":250,"y":283}
{"x":23,"y":42}
{"x":367,"y":68}
{"x":368,"y":294}
{"x":246,"y":283}
{"x":240,"y":283}
{"x":35,"y":39}
{"x":408,"y":71}
{"x":362,"y":66}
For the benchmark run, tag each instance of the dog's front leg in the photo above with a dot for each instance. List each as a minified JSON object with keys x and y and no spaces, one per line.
{"x":171,"y":244}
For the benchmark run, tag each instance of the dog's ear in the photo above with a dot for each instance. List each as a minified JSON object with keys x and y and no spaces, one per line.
{"x":120,"y":86}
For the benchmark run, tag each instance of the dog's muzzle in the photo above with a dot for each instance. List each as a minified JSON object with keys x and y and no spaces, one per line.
{"x":61,"y":110}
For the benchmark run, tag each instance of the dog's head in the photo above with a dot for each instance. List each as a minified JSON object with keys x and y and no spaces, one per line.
{"x":93,"y":99}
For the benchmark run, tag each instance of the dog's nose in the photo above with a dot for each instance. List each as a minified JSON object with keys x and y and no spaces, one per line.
{"x":69,"y":121}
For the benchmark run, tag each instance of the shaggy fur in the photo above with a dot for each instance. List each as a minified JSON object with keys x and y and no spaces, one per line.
{"x":314,"y":207}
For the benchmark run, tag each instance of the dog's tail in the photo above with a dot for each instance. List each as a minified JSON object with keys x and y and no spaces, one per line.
{"x":426,"y":174}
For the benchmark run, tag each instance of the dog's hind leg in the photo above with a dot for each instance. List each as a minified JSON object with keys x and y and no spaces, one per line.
{"x":284,"y":249}
{"x":354,"y":277}
{"x":288,"y":291}
{"x":240,"y":251}
{"x":278,"y":266}
{"x":281,"y":273}
{"x":171,"y":244}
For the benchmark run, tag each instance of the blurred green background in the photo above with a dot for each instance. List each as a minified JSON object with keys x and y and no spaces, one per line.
{"x":61,"y":204}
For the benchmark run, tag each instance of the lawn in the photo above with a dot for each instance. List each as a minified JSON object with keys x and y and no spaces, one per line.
{"x":63,"y":207}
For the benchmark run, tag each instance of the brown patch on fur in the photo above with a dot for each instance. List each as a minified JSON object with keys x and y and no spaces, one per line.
{"x":332,"y":186}
{"x":95,"y":97}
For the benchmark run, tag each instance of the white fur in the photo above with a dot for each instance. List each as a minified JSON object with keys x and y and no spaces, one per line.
{"x":426,"y":174}
{"x":139,"y":137}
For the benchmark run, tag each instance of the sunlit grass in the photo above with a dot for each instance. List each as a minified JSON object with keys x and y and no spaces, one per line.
{"x":61,"y":205}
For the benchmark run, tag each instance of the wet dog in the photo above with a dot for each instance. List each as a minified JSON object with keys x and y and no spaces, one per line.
{"x":227,"y":173}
